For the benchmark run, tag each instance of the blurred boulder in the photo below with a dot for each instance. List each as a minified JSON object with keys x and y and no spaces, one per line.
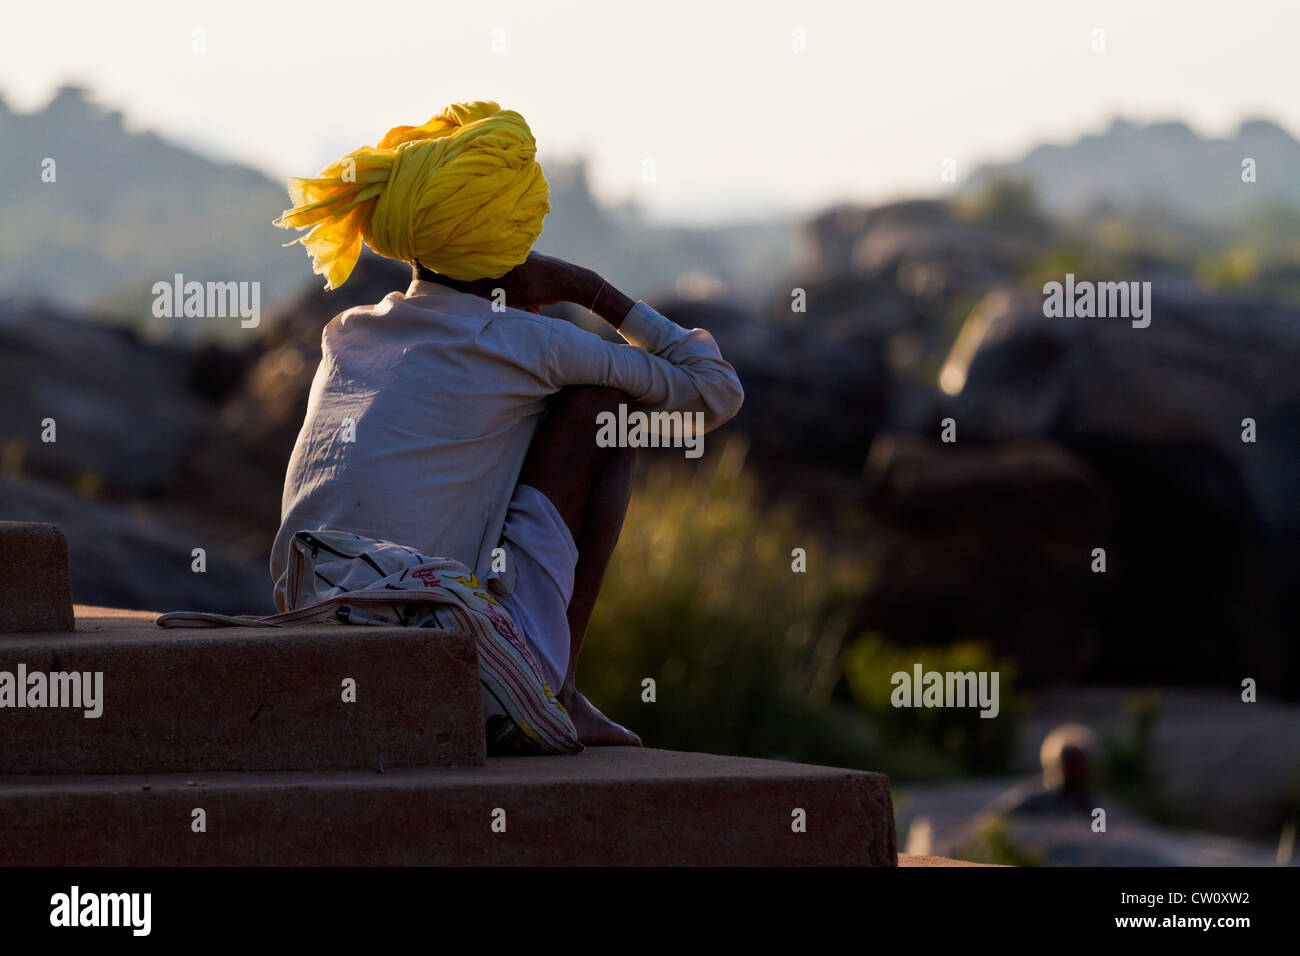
{"x":923,"y":247}
{"x":990,"y":543}
{"x":1182,"y":385}
{"x":1204,"y":554}
{"x":123,"y":412}
{"x":816,"y":391}
{"x":138,"y":557}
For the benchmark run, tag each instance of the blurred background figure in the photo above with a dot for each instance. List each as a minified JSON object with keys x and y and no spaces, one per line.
{"x":1065,"y":786}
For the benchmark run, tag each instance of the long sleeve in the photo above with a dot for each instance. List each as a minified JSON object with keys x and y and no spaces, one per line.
{"x":664,"y":367}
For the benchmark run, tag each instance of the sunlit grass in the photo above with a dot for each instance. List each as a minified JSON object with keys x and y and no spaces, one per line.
{"x":747,"y":655}
{"x":701,"y":598}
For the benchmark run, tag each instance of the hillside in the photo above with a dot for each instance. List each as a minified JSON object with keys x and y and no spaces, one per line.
{"x":1164,"y":164}
{"x":126,"y":210}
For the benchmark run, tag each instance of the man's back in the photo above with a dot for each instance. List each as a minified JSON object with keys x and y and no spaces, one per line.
{"x":419,"y":419}
{"x":424,"y":406}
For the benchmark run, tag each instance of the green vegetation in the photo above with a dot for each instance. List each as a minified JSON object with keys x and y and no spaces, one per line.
{"x":700,"y":598}
{"x":1257,"y":253}
{"x":993,"y":843}
{"x":1084,"y":258}
{"x":1007,"y":204}
{"x":956,"y":740}
{"x":1235,"y":269}
{"x":745,"y":654}
{"x":1126,"y":765}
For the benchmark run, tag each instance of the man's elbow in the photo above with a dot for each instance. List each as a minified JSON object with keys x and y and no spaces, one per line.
{"x":728,"y":403}
{"x":736,"y":398}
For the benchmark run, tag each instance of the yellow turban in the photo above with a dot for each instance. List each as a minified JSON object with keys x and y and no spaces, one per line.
{"x":463,"y":194}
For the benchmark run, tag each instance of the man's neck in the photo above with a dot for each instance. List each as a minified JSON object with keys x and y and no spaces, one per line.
{"x":421,"y":274}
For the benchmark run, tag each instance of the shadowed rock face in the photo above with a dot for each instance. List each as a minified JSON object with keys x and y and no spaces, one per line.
{"x":920,"y":247}
{"x":1201,"y":547}
{"x":987,"y":542}
{"x":138,"y":556}
{"x":125,"y":414}
{"x":122,"y":410}
{"x":813,"y":395}
{"x":1180,"y":388}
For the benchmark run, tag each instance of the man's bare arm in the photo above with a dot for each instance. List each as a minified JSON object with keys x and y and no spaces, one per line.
{"x":598,"y":296}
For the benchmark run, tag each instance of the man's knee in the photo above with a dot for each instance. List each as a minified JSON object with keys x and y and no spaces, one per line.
{"x":569,"y":436}
{"x":567,"y":456}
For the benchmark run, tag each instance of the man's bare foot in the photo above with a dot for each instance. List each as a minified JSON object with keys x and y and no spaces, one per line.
{"x":594,"y":728}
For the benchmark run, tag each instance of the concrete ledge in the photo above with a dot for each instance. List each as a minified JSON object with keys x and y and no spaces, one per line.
{"x":35,"y":585}
{"x":606,"y":806}
{"x":180,"y":700}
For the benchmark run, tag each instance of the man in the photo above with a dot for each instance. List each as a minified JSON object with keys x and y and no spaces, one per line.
{"x":456,"y":420}
{"x":1065,"y":787}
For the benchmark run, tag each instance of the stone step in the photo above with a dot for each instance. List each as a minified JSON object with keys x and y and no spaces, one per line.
{"x":605,"y":806}
{"x":181,"y":700}
{"x":35,"y":585}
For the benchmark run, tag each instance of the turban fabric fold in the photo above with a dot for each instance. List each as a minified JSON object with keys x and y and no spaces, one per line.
{"x":463,"y":194}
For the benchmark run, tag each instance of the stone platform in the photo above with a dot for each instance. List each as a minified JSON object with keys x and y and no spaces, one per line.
{"x":345,"y":745}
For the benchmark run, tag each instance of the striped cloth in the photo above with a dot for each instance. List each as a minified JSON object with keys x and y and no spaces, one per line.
{"x":344,"y":577}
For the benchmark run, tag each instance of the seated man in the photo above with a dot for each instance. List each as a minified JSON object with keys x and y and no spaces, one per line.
{"x":456,"y":420}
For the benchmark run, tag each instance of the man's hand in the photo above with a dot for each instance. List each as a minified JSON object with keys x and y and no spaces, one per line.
{"x":537,"y":281}
{"x":545,"y":280}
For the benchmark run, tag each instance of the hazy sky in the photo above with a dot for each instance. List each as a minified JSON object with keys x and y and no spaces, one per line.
{"x":711,"y":90}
